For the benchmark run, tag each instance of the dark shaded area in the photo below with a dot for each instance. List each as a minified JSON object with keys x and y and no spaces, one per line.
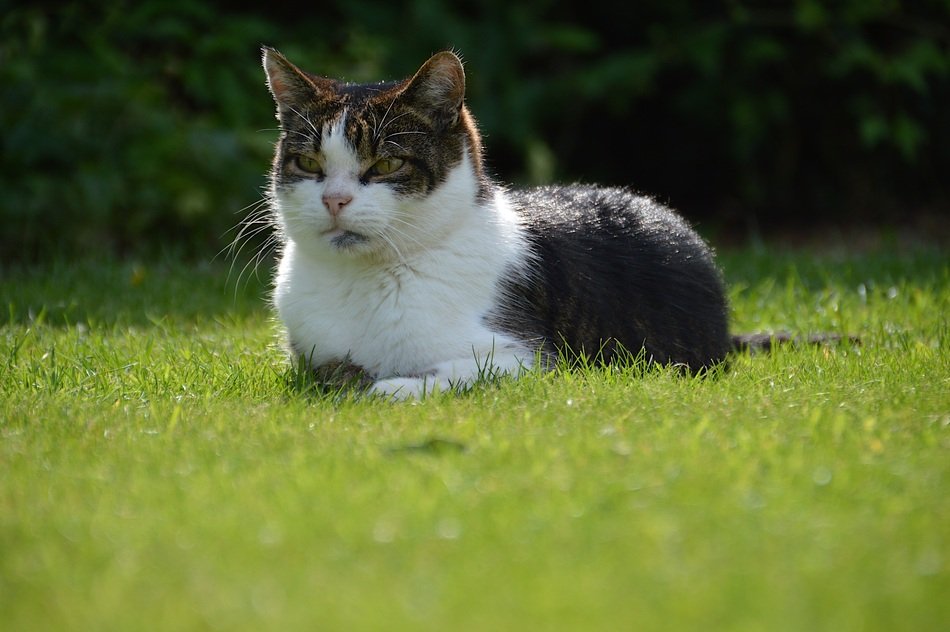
{"x":145,"y":127}
{"x":597,"y":250}
{"x":433,"y":446}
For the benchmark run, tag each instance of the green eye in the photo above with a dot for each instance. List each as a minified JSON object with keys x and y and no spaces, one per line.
{"x":386,"y":166}
{"x":308,"y":164}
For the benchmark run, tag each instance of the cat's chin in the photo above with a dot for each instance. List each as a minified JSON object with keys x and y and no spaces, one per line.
{"x":346,"y":240}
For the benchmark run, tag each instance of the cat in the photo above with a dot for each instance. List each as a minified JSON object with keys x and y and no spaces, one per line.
{"x":404,"y":262}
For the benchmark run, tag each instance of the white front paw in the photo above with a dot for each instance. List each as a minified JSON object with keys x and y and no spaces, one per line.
{"x":402,"y":388}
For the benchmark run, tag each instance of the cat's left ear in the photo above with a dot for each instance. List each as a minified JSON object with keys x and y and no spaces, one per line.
{"x":438,"y":88}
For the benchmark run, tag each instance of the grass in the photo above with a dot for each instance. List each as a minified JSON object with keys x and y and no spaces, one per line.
{"x":162,"y":467}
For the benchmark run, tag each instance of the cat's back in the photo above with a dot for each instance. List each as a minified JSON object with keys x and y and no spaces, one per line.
{"x":590,"y":212}
{"x":611,"y":265}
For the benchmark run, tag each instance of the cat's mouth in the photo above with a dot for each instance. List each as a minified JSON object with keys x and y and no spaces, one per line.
{"x":343,"y":239}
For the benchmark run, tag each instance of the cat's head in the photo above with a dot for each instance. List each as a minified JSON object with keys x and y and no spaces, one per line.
{"x":372,"y":169}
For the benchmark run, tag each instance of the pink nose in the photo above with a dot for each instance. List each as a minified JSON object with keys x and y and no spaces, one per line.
{"x":335,"y":203}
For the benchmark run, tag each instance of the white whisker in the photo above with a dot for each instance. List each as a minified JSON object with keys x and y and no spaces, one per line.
{"x":395,"y":118}
{"x":405,"y":219}
{"x":308,"y":138}
{"x":402,"y":234}
{"x":257,"y":259}
{"x":396,"y":144}
{"x":288,"y":131}
{"x":412,"y":227}
{"x":259,"y":214}
{"x":383,"y":122}
{"x":308,"y":122}
{"x":403,"y":133}
{"x":259,"y":220}
{"x":392,"y":244}
{"x":386,"y":123}
{"x":375,"y":125}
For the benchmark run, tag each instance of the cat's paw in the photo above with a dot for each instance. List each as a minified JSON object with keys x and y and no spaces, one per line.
{"x":403,"y":388}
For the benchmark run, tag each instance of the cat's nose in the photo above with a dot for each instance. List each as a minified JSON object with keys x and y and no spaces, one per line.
{"x":335,"y":203}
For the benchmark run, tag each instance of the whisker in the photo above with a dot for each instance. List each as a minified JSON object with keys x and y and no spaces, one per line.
{"x":396,"y":144}
{"x":383,"y":123}
{"x":259,"y":215}
{"x":309,"y":138}
{"x":388,"y":123}
{"x":257,"y":259}
{"x":259,"y":220}
{"x":406,"y":132}
{"x":408,"y":237}
{"x":396,"y":118}
{"x":308,"y":122}
{"x":413,"y":227}
{"x":258,"y":211}
{"x":405,"y":219}
{"x":247,"y":236}
{"x":281,"y":129}
{"x":375,"y":125}
{"x":253,"y":205}
{"x":389,"y":241}
{"x":269,"y":245}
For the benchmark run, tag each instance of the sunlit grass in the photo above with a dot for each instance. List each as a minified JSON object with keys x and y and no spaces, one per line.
{"x":161,"y":465}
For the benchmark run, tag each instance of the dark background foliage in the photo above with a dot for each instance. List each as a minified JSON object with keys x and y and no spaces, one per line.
{"x":145,"y":127}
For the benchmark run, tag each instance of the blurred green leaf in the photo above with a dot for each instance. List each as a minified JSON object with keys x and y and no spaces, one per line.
{"x":810,"y":14}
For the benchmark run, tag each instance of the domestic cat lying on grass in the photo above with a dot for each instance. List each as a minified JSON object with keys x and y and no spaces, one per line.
{"x":403,"y":261}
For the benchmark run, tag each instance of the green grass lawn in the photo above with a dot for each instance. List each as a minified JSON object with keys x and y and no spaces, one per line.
{"x":161,"y":467}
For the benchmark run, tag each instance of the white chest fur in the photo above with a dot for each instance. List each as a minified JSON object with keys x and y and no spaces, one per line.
{"x":392,"y":262}
{"x":418,"y":321}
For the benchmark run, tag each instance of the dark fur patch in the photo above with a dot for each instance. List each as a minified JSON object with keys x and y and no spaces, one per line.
{"x":614,"y":268}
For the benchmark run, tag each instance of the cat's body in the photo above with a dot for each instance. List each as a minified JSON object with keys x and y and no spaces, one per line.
{"x":614,"y":267}
{"x":402,"y":258}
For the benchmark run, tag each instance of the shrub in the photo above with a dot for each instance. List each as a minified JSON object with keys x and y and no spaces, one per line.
{"x":140,"y":127}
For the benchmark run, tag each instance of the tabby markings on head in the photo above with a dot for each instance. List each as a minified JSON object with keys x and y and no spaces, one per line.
{"x":419,"y":122}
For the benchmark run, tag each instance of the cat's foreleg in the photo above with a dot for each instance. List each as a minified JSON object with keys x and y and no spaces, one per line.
{"x":454,"y":375}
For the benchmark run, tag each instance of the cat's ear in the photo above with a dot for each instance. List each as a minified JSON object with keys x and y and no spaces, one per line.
{"x":291,"y":87}
{"x":438,"y":88}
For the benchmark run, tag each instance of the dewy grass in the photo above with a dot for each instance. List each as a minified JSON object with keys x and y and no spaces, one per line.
{"x":163,"y":466}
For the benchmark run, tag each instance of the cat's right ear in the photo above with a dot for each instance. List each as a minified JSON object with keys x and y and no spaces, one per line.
{"x":291,"y":87}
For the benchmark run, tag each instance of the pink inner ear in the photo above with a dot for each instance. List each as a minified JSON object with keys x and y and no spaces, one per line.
{"x":447,"y":79}
{"x":275,"y":78}
{"x":282,"y":76}
{"x":440,"y":86}
{"x":278,"y":85}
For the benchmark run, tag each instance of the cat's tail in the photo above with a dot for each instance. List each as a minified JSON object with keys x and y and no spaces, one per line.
{"x":766,"y":341}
